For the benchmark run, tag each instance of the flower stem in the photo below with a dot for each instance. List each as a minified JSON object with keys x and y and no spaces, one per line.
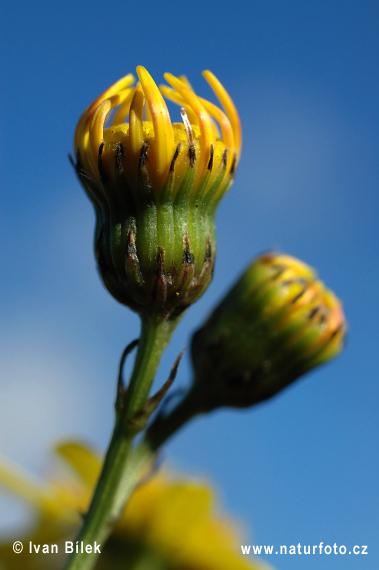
{"x":165,"y":426}
{"x":115,"y":482}
{"x":158,"y":433}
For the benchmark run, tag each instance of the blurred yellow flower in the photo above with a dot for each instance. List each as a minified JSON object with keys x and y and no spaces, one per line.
{"x":168,"y":524}
{"x":276,"y":323}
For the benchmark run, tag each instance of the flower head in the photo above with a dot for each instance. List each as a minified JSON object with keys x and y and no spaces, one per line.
{"x":169,"y":523}
{"x":155,"y":186}
{"x":278,"y":322}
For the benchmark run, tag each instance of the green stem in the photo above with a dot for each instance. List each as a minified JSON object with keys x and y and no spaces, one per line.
{"x":115,"y":482}
{"x":164,"y":427}
{"x":157,"y":434}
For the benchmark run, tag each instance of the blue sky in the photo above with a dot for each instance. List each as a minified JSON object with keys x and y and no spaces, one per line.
{"x":304,"y":77}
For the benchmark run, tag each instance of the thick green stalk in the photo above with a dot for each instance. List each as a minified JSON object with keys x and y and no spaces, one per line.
{"x":115,"y":482}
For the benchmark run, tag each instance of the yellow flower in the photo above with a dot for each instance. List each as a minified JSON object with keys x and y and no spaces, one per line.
{"x":168,"y":524}
{"x":155,"y":186}
{"x":278,"y":322}
{"x":196,"y":139}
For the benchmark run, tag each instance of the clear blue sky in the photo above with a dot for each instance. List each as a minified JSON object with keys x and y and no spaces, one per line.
{"x":304,"y":76}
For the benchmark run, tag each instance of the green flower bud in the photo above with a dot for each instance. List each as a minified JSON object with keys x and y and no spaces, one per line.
{"x":276,"y":323}
{"x":155,"y":187}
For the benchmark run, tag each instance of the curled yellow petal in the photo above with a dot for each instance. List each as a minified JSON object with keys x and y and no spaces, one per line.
{"x":205,"y":121}
{"x":96,"y":130}
{"x":229,"y":107}
{"x":85,"y":119}
{"x":96,"y":127}
{"x":165,"y":146}
{"x":226,"y":128}
{"x":174,"y":96}
{"x":136,"y":121}
{"x":123,"y":109}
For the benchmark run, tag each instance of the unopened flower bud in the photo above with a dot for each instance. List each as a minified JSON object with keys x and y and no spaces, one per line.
{"x":155,"y":187}
{"x":276,"y":323}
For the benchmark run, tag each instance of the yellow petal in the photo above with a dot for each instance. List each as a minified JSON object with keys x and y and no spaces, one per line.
{"x":229,"y":107}
{"x":205,"y":121}
{"x":123,"y":110}
{"x":96,"y":130}
{"x":174,"y":96}
{"x":96,"y":127}
{"x":164,"y":134}
{"x":136,"y":121}
{"x":226,"y":128}
{"x":84,"y":462}
{"x":184,"y":79}
{"x":85,"y":119}
{"x":25,"y":486}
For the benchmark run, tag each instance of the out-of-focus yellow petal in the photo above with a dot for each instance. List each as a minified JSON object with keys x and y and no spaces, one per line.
{"x":184,"y":79}
{"x":22,"y":484}
{"x":291,"y":266}
{"x":161,"y":512}
{"x":85,"y":463}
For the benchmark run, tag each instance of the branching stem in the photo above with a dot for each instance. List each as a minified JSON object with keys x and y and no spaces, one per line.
{"x":116,"y":480}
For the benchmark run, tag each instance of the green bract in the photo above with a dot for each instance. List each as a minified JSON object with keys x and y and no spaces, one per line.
{"x":275,"y":324}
